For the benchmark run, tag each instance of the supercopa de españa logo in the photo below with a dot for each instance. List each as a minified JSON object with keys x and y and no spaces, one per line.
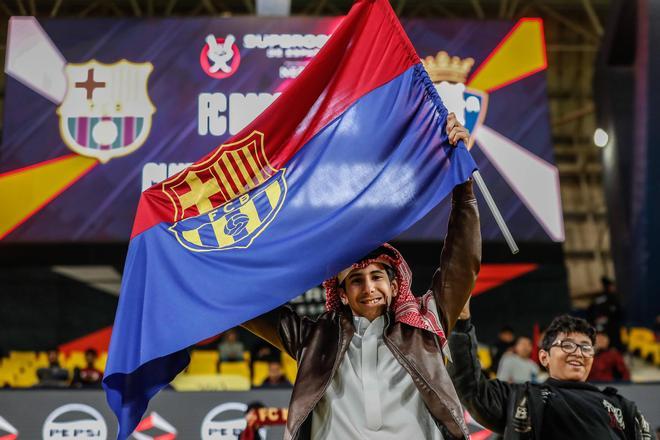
{"x":220,"y":57}
{"x":75,"y":421}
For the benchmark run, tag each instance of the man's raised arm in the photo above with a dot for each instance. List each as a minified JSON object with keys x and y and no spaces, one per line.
{"x":461,"y":254}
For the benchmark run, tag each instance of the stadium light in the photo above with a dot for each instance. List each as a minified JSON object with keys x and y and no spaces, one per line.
{"x":274,"y":8}
{"x":600,"y":137}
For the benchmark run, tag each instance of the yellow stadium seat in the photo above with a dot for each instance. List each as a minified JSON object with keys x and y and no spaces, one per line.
{"x":639,"y":339}
{"x":259,"y":373}
{"x":203,"y":362}
{"x":26,"y":378}
{"x":12,"y":365}
{"x":101,"y":361}
{"x":290,"y":367}
{"x":647,"y":350}
{"x":624,"y":335}
{"x":42,"y":360}
{"x":210,"y":382}
{"x":75,"y":359}
{"x":484,"y":357}
{"x":235,"y":368}
{"x":23,"y":357}
{"x":6,"y":378}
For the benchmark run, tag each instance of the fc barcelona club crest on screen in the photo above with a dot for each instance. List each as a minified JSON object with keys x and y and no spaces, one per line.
{"x":226,"y":201}
{"x":106,"y":111}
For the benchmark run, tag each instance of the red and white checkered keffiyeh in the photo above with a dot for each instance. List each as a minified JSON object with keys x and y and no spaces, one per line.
{"x":407,"y":308}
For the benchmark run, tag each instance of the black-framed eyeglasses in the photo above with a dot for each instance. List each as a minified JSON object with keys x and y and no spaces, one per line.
{"x":570,"y":347}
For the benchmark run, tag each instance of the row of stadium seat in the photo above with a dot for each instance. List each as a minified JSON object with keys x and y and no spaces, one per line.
{"x":19,"y":369}
{"x":641,"y":341}
{"x":205,"y":362}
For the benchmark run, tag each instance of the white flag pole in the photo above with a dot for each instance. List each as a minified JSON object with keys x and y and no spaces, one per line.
{"x":496,"y":212}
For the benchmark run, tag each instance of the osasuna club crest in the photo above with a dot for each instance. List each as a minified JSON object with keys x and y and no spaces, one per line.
{"x":226,"y":201}
{"x":449,"y":75}
{"x":106,"y":111}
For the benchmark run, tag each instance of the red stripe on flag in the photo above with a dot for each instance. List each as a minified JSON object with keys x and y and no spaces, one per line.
{"x":368,"y":49}
{"x":248,"y":166}
{"x":227,"y":177}
{"x":243,"y":179}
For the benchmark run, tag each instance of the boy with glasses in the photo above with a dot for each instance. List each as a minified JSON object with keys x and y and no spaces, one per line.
{"x":564,"y":407}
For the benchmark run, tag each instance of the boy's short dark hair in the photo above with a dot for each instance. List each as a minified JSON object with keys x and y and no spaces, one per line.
{"x":567,"y":324}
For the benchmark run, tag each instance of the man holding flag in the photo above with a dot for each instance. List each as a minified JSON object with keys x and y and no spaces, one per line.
{"x":372,"y":365}
{"x":359,"y":141}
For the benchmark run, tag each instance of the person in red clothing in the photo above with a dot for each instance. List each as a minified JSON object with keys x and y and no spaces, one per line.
{"x":90,"y":376}
{"x":608,"y":363}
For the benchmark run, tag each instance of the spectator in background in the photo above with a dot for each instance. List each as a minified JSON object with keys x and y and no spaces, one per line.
{"x":608,"y":363}
{"x":262,"y":351}
{"x":258,"y":417}
{"x":516,"y":366}
{"x":605,"y":313}
{"x":231,"y":349}
{"x":251,"y":431}
{"x":90,"y":376}
{"x":504,"y":343}
{"x":276,"y":378}
{"x":53,"y":376}
{"x":563,"y":407}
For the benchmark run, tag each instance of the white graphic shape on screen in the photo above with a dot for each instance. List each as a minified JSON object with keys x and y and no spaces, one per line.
{"x":33,"y":59}
{"x":534,"y":180}
{"x":453,"y":97}
{"x":6,"y":426}
{"x":220,"y":54}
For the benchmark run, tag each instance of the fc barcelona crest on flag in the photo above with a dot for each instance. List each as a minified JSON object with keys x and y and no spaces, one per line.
{"x":226,"y":201}
{"x":106,"y":111}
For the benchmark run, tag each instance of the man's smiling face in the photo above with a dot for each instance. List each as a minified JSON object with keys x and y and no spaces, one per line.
{"x":369,"y":291}
{"x":568,"y":366}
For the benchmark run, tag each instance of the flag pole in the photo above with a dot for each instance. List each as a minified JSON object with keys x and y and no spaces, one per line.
{"x":496,"y":212}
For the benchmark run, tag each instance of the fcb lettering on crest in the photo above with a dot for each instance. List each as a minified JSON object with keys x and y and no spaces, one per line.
{"x":106,"y":111}
{"x":226,"y":201}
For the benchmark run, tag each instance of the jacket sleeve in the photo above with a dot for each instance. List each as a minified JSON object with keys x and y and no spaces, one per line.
{"x":460,"y":259}
{"x":642,"y":427}
{"x":486,"y":400}
{"x":282,"y":327}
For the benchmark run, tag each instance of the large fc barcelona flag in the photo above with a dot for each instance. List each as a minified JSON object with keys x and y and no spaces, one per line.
{"x":219,"y":243}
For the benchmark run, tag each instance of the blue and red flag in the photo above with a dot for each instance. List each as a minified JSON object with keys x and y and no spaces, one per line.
{"x":359,"y":135}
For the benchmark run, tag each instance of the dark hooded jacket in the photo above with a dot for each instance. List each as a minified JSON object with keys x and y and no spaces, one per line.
{"x":517,"y":410}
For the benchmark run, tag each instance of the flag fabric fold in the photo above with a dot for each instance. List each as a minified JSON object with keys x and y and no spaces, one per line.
{"x":350,"y":155}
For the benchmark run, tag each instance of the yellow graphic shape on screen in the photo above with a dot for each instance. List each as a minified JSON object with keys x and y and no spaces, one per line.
{"x":521,"y":53}
{"x":25,"y":191}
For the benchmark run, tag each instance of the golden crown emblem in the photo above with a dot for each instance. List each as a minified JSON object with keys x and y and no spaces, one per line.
{"x":442,"y":67}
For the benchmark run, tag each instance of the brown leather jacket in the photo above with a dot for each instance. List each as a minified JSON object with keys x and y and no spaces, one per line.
{"x":319,"y":345}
